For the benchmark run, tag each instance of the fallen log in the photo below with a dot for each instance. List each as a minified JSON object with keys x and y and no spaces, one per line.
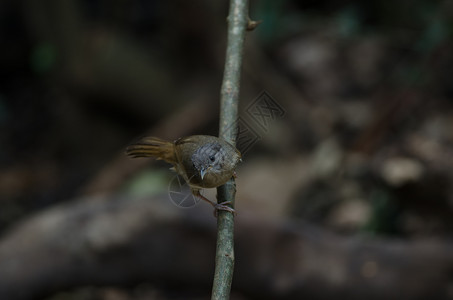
{"x":126,"y":241}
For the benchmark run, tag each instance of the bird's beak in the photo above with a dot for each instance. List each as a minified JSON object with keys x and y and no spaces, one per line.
{"x":202,"y":173}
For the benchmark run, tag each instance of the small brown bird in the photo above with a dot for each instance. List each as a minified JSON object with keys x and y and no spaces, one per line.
{"x":203,"y":161}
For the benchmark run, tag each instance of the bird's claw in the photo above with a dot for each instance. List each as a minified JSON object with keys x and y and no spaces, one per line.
{"x":217,"y":206}
{"x":224,"y":207}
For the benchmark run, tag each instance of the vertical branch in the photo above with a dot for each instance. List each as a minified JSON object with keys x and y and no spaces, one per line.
{"x":224,"y":260}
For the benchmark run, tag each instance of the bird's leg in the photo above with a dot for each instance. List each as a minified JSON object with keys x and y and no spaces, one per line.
{"x":217,"y":206}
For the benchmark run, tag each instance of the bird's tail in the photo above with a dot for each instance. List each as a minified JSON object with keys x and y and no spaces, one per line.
{"x":153,"y":147}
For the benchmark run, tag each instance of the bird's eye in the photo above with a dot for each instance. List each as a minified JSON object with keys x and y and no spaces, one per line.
{"x":212,"y":158}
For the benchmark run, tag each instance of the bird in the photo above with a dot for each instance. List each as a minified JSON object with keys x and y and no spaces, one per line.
{"x":203,"y":161}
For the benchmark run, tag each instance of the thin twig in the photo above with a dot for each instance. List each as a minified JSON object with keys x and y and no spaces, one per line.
{"x":224,"y":260}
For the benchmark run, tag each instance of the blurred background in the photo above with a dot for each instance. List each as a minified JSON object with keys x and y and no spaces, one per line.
{"x":346,"y":125}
